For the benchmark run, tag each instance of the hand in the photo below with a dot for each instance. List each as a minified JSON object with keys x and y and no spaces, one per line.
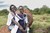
{"x":21,"y":28}
{"x":24,"y":31}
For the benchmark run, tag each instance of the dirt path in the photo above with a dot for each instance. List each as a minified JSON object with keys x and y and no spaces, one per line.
{"x":4,"y":29}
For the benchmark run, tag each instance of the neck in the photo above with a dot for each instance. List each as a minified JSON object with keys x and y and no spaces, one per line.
{"x":21,"y":12}
{"x":14,"y":13}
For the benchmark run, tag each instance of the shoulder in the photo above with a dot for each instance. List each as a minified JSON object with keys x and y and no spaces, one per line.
{"x":10,"y":15}
{"x":25,"y":14}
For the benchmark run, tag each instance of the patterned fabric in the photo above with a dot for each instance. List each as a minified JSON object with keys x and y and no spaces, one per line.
{"x":21,"y":22}
{"x":13,"y":22}
{"x":12,"y":25}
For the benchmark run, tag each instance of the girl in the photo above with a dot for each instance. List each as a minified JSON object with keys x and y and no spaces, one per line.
{"x":12,"y":22}
{"x":23,"y":21}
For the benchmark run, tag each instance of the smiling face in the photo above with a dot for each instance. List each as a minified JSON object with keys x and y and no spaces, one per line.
{"x":13,"y":8}
{"x":21,"y":9}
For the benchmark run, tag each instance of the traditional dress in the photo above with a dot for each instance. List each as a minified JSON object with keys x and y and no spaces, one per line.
{"x":19,"y":18}
{"x":13,"y":27}
{"x":21,"y":22}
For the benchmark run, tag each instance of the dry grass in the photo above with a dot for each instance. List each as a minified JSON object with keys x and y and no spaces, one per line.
{"x":40,"y":21}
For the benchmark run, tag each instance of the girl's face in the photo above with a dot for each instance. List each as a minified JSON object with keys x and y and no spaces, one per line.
{"x":21,"y":9}
{"x":13,"y":8}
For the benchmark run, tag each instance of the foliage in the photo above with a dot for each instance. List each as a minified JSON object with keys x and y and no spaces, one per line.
{"x":43,"y":10}
{"x":41,"y":19}
{"x":4,"y":12}
{"x":41,"y":23}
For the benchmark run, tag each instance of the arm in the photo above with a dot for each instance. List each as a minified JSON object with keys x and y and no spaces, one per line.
{"x":27,"y":23}
{"x":20,"y":27}
{"x":26,"y":20}
{"x":27,"y":26}
{"x":9,"y":19}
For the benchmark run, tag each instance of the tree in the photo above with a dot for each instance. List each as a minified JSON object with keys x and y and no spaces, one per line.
{"x":4,"y":12}
{"x":43,"y":10}
{"x":36,"y":11}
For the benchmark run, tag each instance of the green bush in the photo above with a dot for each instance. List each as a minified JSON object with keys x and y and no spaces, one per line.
{"x":4,"y":12}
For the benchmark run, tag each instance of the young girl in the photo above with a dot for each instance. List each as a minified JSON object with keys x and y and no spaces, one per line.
{"x":12,"y":22}
{"x":23,"y":21}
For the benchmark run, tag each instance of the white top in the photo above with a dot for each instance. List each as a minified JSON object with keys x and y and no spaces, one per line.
{"x":26,"y":19}
{"x":10,"y":16}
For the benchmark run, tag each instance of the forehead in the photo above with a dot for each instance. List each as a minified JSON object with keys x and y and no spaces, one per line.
{"x":12,"y":7}
{"x":20,"y":6}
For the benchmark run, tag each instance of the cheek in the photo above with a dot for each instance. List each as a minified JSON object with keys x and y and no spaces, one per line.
{"x":22,"y":11}
{"x":12,"y":9}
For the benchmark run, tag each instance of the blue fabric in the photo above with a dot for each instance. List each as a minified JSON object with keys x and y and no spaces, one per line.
{"x":13,"y":22}
{"x":19,"y":31}
{"x":21,"y":22}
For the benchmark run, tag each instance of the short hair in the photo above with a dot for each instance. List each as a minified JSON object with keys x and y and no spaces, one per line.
{"x":21,"y":7}
{"x":14,"y":7}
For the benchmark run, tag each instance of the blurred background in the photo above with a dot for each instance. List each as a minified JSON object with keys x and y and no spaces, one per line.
{"x":39,"y":8}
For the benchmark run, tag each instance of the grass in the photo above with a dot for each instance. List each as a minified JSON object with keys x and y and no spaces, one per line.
{"x":40,"y":21}
{"x":3,"y":20}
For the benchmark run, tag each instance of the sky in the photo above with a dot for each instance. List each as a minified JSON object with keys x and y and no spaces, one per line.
{"x":32,"y":4}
